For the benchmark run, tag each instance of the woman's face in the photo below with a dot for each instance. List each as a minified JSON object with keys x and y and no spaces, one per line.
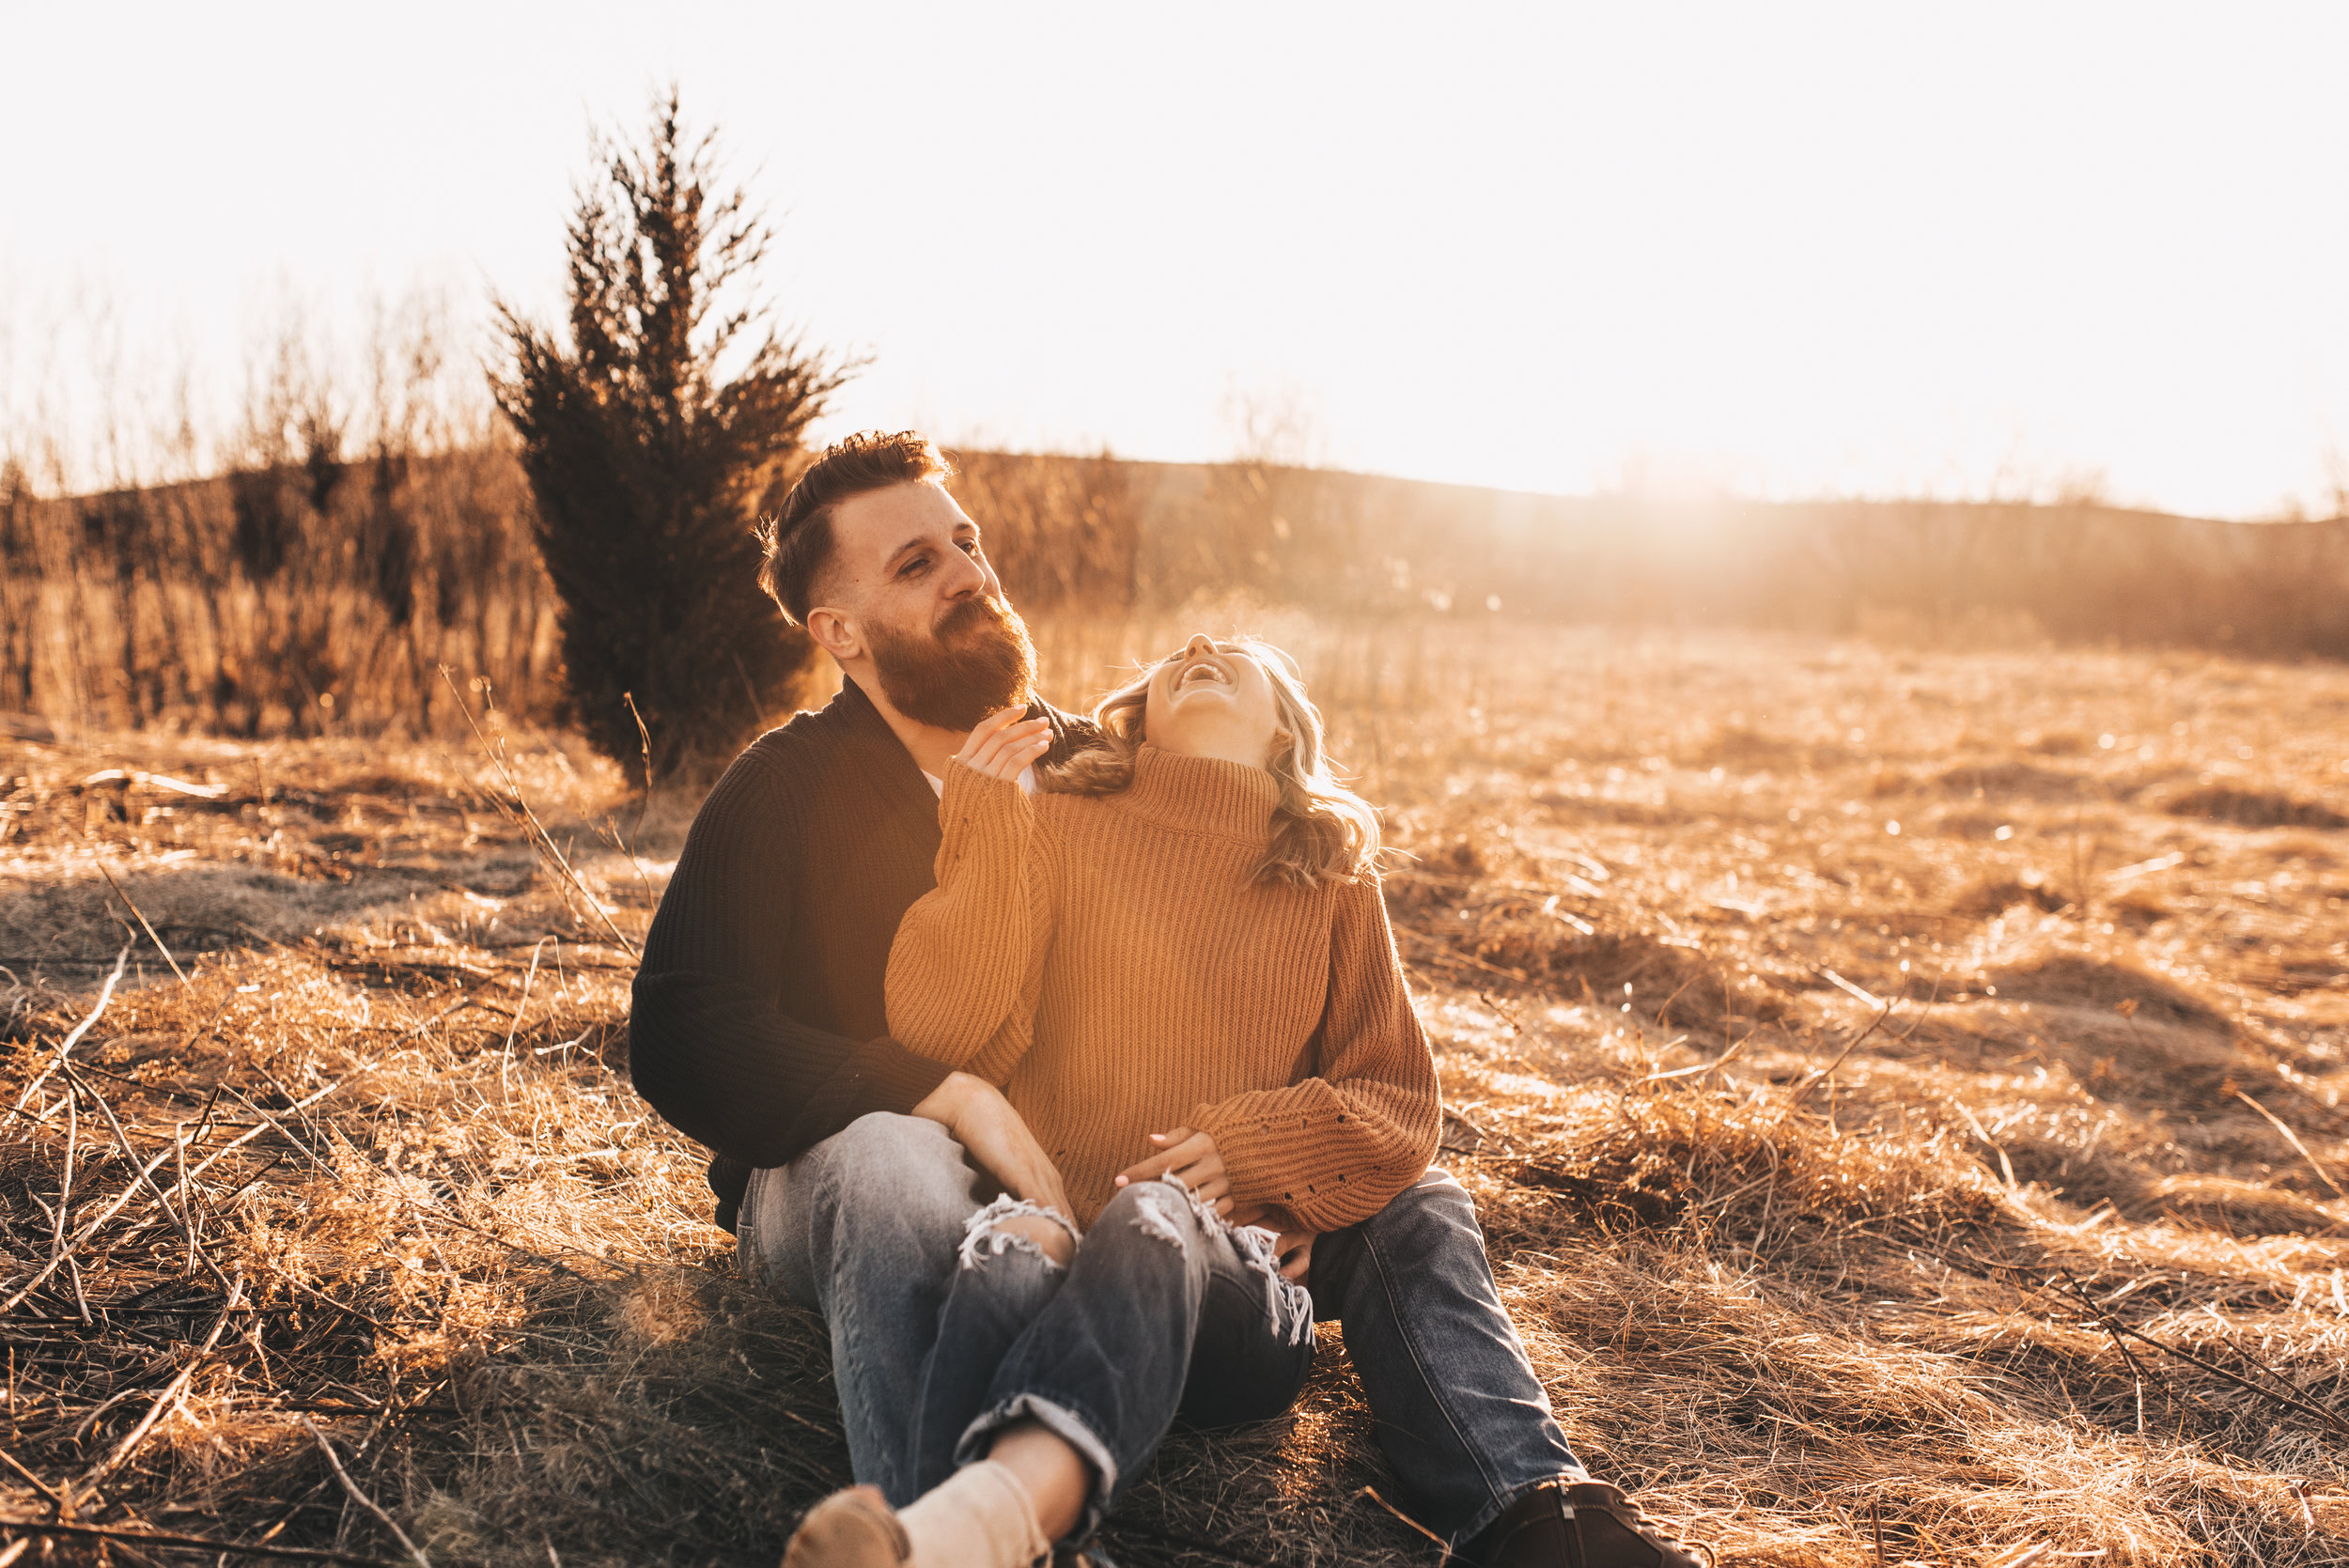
{"x":1212,"y":698}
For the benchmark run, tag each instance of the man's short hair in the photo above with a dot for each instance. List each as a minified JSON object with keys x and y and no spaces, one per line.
{"x":797,"y":539}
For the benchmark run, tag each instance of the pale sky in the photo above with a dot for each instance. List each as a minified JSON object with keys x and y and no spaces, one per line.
{"x":1788,"y":249}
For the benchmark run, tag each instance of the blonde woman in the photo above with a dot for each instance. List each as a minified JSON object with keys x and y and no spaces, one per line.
{"x":1174,"y":959}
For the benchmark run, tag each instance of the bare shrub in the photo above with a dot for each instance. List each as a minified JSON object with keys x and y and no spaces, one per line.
{"x":265,"y":599}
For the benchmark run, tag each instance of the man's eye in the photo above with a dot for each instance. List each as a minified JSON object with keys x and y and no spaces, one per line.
{"x":970,"y":547}
{"x":915,"y":566}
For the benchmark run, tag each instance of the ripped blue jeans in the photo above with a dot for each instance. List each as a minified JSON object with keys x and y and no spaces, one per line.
{"x":869,"y":1226}
{"x":1163,"y":1310}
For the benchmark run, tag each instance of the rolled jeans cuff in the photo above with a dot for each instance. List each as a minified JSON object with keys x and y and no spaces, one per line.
{"x":1070,"y":1428}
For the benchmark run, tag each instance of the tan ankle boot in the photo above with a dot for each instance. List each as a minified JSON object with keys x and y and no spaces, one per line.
{"x":854,"y":1529}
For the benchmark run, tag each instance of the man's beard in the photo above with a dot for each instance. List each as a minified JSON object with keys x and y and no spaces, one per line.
{"x":977,"y":660}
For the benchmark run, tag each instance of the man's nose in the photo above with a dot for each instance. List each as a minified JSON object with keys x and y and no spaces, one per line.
{"x":967,"y":577}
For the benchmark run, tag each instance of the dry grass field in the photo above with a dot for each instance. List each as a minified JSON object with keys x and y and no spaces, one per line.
{"x":1903,"y":1089}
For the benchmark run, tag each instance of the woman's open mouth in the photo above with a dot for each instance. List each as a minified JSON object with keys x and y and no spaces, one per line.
{"x":1202,"y":672}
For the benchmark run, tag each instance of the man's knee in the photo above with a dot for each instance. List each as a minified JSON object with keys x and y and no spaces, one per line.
{"x":884,"y":1135}
{"x":1426,"y":1213}
{"x":904,"y":1169}
{"x":1431,"y":1216}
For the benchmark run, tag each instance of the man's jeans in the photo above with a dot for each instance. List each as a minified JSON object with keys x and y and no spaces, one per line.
{"x":868,"y":1228}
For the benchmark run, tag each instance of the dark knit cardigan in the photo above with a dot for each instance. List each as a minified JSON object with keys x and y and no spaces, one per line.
{"x":758,"y":1024}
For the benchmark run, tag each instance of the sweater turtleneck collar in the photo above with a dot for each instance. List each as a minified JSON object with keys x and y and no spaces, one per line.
{"x":1202,"y":794}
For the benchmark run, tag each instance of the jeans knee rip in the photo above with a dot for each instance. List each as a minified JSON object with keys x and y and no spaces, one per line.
{"x":1287,"y":1304}
{"x":984,"y":1237}
{"x":1154,"y":1213}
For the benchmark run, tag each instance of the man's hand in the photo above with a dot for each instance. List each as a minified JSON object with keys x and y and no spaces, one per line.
{"x":1194,"y":1158}
{"x":976,"y":1114}
{"x":1295,"y":1248}
{"x":1003,"y":744}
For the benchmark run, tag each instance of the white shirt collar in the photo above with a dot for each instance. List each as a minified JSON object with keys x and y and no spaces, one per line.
{"x":938,"y":786}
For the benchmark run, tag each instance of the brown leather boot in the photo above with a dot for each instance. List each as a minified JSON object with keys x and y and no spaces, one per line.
{"x":1577,"y":1524}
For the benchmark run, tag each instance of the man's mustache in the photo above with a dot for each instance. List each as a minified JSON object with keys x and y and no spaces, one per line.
{"x":972,"y":611}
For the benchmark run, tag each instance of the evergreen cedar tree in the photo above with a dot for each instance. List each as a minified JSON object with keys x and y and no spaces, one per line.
{"x":649,"y":466}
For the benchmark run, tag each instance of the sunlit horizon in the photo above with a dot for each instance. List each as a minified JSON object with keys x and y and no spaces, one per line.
{"x":1829,"y":251}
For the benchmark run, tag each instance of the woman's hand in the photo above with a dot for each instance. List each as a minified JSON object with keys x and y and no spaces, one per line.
{"x":1192,"y":1157}
{"x":1003,"y":744}
{"x":976,"y":1114}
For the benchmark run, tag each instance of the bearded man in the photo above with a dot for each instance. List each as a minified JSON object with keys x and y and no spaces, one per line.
{"x":848,"y":1167}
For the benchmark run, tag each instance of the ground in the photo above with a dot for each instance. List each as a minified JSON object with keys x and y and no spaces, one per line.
{"x":1901,"y":1088}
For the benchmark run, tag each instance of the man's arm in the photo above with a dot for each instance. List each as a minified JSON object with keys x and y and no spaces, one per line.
{"x":707,"y":1046}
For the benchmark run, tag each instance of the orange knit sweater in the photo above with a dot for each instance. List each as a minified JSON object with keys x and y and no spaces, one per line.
{"x":1105,"y":960}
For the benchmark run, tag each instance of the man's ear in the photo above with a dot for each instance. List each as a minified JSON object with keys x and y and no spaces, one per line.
{"x":836,"y":633}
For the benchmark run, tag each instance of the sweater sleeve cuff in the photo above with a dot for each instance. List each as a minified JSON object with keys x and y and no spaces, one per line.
{"x":967,"y":787}
{"x":884,"y":1075}
{"x":1251,"y":1152}
{"x":978,"y":814}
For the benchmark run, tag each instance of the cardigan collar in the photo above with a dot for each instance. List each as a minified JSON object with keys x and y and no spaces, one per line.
{"x":1206,"y":794}
{"x":896,"y":782}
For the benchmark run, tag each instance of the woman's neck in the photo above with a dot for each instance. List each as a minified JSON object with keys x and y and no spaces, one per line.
{"x":1247,"y":750}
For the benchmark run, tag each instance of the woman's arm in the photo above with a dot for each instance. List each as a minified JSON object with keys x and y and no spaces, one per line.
{"x":969,"y":957}
{"x":1334,"y":1149}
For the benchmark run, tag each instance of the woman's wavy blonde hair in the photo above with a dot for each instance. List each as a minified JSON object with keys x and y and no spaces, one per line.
{"x":1322,"y":831}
